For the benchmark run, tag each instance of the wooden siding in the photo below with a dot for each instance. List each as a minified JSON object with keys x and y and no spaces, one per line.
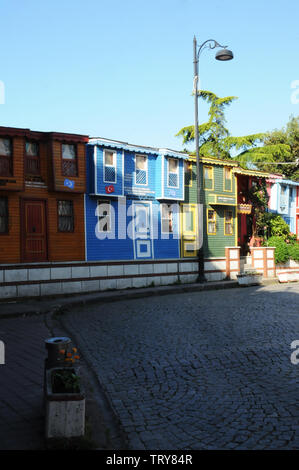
{"x":62,"y":246}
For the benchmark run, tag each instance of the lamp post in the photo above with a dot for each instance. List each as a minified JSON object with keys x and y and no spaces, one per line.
{"x":224,"y":54}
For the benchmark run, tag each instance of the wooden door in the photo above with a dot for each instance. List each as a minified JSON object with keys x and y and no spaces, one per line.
{"x":34,"y":231}
{"x":143,"y":248}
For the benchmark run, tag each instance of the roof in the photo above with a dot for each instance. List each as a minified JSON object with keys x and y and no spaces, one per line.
{"x":259,"y":174}
{"x":214,"y":161}
{"x":117,"y":144}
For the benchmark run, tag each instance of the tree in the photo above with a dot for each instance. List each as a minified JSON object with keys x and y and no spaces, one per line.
{"x":215,"y":139}
{"x":286,"y":142}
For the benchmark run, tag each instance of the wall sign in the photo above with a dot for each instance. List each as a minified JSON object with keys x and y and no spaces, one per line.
{"x":69,"y":183}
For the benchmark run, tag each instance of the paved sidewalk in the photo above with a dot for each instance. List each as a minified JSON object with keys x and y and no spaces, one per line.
{"x":23,"y":328}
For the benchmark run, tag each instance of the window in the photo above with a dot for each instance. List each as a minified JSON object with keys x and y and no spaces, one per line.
{"x":167,"y":218}
{"x":228,"y":223}
{"x":32,"y":158}
{"x":208,"y":175}
{"x":173,"y":173}
{"x":141,"y":169}
{"x":104,"y":214}
{"x":188,"y":174}
{"x":69,"y":160}
{"x":65,"y":216}
{"x":109,"y":166}
{"x":211,"y":222}
{"x":3,"y":215}
{"x":227,"y":178}
{"x":5,"y":157}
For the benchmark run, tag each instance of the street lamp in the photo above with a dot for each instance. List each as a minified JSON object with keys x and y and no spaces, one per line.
{"x":223,"y":55}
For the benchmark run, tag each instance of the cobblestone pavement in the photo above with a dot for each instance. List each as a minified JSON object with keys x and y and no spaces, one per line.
{"x":206,"y":370}
{"x":22,"y":417}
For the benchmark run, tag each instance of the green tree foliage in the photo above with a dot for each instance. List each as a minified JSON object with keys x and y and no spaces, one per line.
{"x":249,"y":150}
{"x":287,"y":139}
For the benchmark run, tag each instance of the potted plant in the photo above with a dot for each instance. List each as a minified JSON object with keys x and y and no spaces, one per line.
{"x":64,"y":399}
{"x":250,"y":278}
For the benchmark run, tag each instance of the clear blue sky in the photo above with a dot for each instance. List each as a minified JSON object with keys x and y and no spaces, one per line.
{"x":124,"y":69}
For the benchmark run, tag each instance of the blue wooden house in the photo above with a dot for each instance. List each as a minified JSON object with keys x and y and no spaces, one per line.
{"x":283,"y":196}
{"x":132,"y":202}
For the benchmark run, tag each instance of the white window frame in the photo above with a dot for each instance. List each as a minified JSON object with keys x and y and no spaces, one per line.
{"x":108,"y":202}
{"x":110,"y":166}
{"x":135,"y":173}
{"x":178,"y":173}
{"x":163,"y":218}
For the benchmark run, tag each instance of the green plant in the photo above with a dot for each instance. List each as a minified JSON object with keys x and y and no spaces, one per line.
{"x":279,"y":227}
{"x":281,"y":249}
{"x":65,"y":381}
{"x":293,"y":251}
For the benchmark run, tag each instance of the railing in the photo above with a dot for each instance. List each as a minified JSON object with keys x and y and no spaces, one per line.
{"x":32,"y":166}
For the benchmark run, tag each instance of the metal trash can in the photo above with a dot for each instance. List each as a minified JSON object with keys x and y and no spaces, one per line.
{"x":53,"y":346}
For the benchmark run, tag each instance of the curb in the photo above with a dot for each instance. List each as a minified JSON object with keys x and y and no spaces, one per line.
{"x":56,"y":304}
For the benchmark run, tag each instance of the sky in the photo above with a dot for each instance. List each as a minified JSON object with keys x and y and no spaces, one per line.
{"x":123,"y":70}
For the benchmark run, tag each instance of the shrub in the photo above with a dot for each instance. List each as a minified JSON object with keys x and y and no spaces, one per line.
{"x":294,"y":251}
{"x":281,"y":249}
{"x":279,"y":227}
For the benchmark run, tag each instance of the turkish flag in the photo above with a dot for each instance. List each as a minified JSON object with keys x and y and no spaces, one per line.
{"x":109,"y":189}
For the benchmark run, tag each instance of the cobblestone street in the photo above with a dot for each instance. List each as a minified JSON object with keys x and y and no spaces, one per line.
{"x":204,"y":370}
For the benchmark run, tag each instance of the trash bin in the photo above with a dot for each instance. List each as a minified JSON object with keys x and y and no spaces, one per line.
{"x":53,"y":346}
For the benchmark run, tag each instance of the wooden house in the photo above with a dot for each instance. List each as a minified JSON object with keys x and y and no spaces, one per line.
{"x":42,"y":185}
{"x":132,"y":201}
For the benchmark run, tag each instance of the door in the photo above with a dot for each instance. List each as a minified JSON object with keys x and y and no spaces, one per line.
{"x":143,"y":243}
{"x":189,"y":230}
{"x":34,"y":230}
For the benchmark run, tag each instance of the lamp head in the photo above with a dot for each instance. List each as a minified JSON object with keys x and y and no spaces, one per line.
{"x":224,"y":54}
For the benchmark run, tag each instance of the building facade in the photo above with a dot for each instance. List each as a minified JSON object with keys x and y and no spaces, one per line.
{"x":284,"y":200}
{"x":132,"y":202}
{"x":42,"y":186}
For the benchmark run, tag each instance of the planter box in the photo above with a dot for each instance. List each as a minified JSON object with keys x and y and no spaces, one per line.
{"x":249,"y":279}
{"x":65,"y":412}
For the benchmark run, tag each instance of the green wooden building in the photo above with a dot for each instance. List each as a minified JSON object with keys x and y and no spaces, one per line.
{"x":219,"y":198}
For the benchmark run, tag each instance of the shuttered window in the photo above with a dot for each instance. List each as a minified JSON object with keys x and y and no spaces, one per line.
{"x":5,"y":157}
{"x":65,"y":216}
{"x":167,"y":218}
{"x":208,"y":175}
{"x":228,"y":221}
{"x":3,"y":215}
{"x":69,"y":160}
{"x":141,"y":169}
{"x":173,"y":173}
{"x":109,"y":166}
{"x":211,"y":222}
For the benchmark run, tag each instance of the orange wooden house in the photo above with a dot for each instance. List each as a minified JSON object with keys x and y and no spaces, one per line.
{"x":42,"y":185}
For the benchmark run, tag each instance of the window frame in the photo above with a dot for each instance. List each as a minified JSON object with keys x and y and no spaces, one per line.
{"x":114,"y":153}
{"x":178,"y":173}
{"x":108,"y":202}
{"x":209,"y":179}
{"x":9,"y":158}
{"x":214,"y":221}
{"x":231,"y":222}
{"x":6,"y":216}
{"x":189,"y":169}
{"x":146,"y":171}
{"x":167,"y":219}
{"x":32,"y":157}
{"x":75,"y":160}
{"x":227,"y":179}
{"x":72,"y":216}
